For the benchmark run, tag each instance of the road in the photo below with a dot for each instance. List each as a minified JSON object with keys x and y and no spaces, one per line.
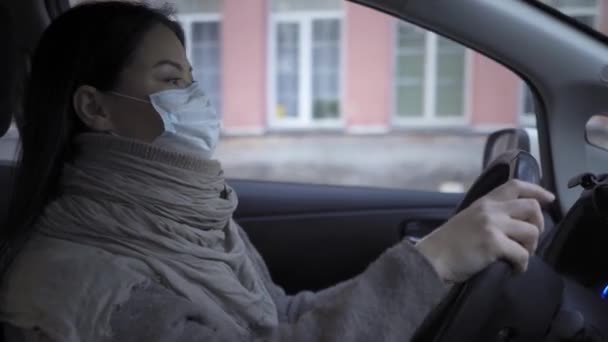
{"x":424,"y":161}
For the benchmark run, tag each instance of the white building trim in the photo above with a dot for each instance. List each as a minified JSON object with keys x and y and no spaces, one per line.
{"x":429,"y":116}
{"x":188,"y":19}
{"x":367,"y":129}
{"x":304,"y":19}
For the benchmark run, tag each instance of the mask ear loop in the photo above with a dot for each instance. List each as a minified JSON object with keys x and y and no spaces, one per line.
{"x":110,"y":132}
{"x":128,"y":97}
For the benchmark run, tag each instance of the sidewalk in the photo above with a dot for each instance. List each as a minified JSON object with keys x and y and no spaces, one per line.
{"x":403,"y":160}
{"x":440,"y":161}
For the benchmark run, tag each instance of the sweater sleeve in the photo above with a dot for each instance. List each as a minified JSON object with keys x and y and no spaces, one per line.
{"x":387,"y":302}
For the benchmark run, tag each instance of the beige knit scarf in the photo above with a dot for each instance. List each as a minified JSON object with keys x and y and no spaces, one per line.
{"x":170,"y":211}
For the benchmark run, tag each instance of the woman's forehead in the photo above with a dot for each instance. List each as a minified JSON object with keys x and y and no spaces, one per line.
{"x":160,"y":44}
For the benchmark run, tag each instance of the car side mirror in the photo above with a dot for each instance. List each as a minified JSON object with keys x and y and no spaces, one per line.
{"x":505,"y":140}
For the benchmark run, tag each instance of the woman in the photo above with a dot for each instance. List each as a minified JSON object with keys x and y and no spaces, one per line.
{"x":122,"y":230}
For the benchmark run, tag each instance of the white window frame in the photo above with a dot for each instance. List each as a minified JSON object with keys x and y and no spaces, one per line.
{"x":190,"y":18}
{"x":429,"y":116}
{"x":529,"y":118}
{"x":187,"y":20}
{"x":305,"y":119}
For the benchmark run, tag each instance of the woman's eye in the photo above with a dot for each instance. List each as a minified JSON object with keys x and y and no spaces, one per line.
{"x":175,"y":81}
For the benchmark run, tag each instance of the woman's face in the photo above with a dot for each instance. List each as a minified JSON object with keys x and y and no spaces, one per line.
{"x":159,"y":63}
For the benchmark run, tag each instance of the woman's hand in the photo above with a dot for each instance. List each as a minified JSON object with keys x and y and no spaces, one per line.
{"x":504,"y":224}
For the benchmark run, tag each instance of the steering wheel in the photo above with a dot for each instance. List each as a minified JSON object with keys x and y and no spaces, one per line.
{"x":514,"y":164}
{"x":457,"y":318}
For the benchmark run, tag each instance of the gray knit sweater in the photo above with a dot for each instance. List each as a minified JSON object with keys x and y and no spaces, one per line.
{"x":387,"y":302}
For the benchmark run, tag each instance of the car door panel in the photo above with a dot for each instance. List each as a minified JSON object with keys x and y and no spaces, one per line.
{"x":313,"y":236}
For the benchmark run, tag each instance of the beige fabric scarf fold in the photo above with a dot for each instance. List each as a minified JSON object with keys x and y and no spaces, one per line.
{"x":170,"y":211}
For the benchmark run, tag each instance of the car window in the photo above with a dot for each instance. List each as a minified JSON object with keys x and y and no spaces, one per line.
{"x":586,"y":12}
{"x":330,"y":92}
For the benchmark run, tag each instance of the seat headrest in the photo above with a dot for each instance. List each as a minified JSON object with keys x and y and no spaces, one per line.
{"x":7,"y":70}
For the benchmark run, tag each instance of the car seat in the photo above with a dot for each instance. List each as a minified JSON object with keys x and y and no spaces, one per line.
{"x":7,"y":103}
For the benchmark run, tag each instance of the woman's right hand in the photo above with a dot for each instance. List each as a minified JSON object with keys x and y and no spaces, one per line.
{"x":504,"y":224}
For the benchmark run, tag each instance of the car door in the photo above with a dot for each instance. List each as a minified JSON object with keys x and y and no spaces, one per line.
{"x":313,"y":236}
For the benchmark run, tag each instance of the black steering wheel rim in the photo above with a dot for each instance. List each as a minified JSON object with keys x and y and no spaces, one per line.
{"x":476,"y":297}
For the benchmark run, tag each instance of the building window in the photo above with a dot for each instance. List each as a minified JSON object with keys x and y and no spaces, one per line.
{"x":305,"y":63}
{"x":584,"y":11}
{"x":202,"y":28}
{"x":430,"y":77}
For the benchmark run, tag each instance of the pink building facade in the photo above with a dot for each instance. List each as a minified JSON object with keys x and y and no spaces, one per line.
{"x":301,"y":65}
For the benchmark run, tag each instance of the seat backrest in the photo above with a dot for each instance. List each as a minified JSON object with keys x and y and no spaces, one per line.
{"x":7,"y":106}
{"x":6,"y":172}
{"x":7,"y":70}
{"x":13,"y":68}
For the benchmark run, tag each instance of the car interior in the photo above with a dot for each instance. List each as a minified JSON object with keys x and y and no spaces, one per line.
{"x":314,"y":236}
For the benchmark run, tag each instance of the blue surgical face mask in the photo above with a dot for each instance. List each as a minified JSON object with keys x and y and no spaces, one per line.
{"x":191,"y":124}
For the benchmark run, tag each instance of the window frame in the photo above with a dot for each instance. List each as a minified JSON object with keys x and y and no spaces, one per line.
{"x":429,"y":115}
{"x":305,"y":118}
{"x":186,"y":21}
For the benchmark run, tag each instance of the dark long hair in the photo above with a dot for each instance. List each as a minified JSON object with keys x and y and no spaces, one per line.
{"x":87,"y":45}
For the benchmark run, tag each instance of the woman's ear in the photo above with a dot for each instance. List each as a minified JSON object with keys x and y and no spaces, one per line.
{"x":88,"y":104}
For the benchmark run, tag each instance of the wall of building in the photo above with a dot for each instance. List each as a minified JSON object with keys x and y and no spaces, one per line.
{"x":495,"y":93}
{"x":244,"y":64}
{"x":494,"y":96}
{"x":369,"y":37}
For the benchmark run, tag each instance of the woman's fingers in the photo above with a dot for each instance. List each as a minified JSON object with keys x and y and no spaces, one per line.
{"x":515,"y":189}
{"x":524,"y":233}
{"x":526,"y":209}
{"x":505,"y":224}
{"x":514,"y":253}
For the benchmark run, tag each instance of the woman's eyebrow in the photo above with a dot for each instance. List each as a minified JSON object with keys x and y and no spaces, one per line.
{"x":171,"y":63}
